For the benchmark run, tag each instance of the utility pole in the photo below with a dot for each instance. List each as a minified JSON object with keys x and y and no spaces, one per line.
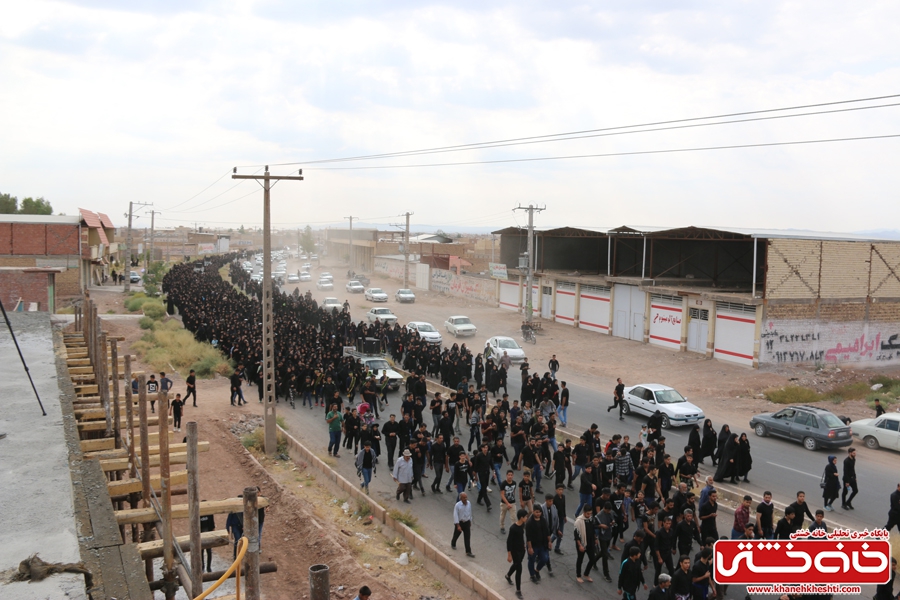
{"x":406,"y":253}
{"x":530,"y":279}
{"x":131,"y":206}
{"x":350,"y":252}
{"x":268,"y":323}
{"x":153,"y":214}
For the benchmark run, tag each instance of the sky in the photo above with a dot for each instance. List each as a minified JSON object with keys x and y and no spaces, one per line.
{"x":103,"y":102}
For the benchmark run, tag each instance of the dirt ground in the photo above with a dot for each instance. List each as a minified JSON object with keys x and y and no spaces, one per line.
{"x":305,"y":523}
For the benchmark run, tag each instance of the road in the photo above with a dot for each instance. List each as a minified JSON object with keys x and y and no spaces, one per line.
{"x":780,"y":466}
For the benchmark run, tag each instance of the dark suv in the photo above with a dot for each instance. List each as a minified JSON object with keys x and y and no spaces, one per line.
{"x":813,"y":427}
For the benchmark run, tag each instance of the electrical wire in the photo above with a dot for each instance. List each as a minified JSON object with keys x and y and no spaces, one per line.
{"x":201,"y":191}
{"x":511,"y":141}
{"x":612,"y":154}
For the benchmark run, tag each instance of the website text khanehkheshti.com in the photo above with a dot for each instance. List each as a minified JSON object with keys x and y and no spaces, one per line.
{"x":805,"y":588}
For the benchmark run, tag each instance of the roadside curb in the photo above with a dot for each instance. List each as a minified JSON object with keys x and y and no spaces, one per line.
{"x":430,"y":553}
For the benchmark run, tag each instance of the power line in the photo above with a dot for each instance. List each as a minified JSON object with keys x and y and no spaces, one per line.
{"x":510,"y":141}
{"x":612,"y":154}
{"x":201,"y":191}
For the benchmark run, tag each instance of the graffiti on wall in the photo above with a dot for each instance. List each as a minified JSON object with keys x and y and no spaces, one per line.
{"x":787,"y":342}
{"x":394,"y":269}
{"x":473,"y":288}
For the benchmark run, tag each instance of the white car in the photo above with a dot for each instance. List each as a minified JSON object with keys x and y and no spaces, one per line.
{"x":500,"y":344}
{"x":881,"y":432}
{"x":293,"y":278}
{"x":460,"y":325}
{"x":327,"y":275}
{"x":405,"y":296}
{"x":383,"y":315}
{"x":330,"y":303}
{"x":305,"y":276}
{"x":355,"y":287}
{"x":376,"y":295}
{"x":378,"y":367}
{"x":427,"y":331}
{"x":647,"y":398}
{"x":324,"y":284}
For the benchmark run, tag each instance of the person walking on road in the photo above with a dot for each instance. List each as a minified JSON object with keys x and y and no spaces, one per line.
{"x":585,"y":544}
{"x":631,"y":575}
{"x":832,"y":483}
{"x":508,"y":500}
{"x":191,"y":382}
{"x":553,"y":365}
{"x":516,"y":549}
{"x":537,"y":536}
{"x":365,"y":464}
{"x":403,"y":475}
{"x":849,"y":479}
{"x":894,"y":512}
{"x":334,"y":418}
{"x":462,"y":523}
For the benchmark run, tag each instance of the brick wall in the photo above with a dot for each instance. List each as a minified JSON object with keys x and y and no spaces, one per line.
{"x":17,"y":261}
{"x":838,"y":341}
{"x":793,"y":269}
{"x":30,"y":287}
{"x":68,"y":283}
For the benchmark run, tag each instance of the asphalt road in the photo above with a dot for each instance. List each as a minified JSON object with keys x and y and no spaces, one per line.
{"x":778,"y":465}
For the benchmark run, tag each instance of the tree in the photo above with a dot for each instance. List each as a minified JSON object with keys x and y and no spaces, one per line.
{"x":307,"y":241}
{"x":38,"y":206}
{"x":9,"y":205}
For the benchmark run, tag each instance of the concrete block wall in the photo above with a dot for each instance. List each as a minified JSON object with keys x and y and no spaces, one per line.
{"x":431,"y":554}
{"x":30,"y":287}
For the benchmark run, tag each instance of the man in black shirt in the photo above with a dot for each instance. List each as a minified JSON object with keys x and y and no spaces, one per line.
{"x":635,"y":542}
{"x":516,"y":550}
{"x":765,"y":527}
{"x":508,"y":500}
{"x":663,"y":548}
{"x":631,"y":575}
{"x":894,"y":512}
{"x":437,"y":460}
{"x":481,"y":465}
{"x":191,"y":387}
{"x":208,"y":523}
{"x":800,"y":509}
{"x":708,"y":513}
{"x":391,"y":431}
{"x":686,"y":532}
{"x":453,"y":453}
{"x":537,"y":536}
{"x":701,"y":575}
{"x":682,"y":585}
{"x":849,"y":479}
{"x":786,"y":526}
{"x":559,"y":501}
{"x":618,"y":397}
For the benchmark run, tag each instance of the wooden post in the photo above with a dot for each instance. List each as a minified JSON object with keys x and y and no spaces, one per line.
{"x":166,"y":496}
{"x":117,"y":406}
{"x":129,"y":420}
{"x":193,"y":469}
{"x":251,"y":531}
{"x":145,"y":465}
{"x":101,"y":376}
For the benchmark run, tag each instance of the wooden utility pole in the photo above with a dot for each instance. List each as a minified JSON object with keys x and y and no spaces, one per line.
{"x":268,"y":324}
{"x":406,"y":253}
{"x":251,"y":530}
{"x":528,"y":290}
{"x":350,"y":246}
{"x":131,"y":206}
{"x":193,"y":469}
{"x":153,"y":214}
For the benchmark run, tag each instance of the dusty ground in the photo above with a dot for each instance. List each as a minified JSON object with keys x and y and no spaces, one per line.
{"x":305,"y":524}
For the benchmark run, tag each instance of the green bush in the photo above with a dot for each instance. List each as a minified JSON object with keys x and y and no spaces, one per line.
{"x":793,"y":395}
{"x":146,"y":323}
{"x":154,"y":309}
{"x":134,"y":304}
{"x":257,"y":441}
{"x":166,"y":346}
{"x":884,"y":380}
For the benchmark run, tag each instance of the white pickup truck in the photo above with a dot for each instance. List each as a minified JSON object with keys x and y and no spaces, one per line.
{"x":376,"y":365}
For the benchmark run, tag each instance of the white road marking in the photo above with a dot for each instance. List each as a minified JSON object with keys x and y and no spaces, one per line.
{"x":794,"y":470}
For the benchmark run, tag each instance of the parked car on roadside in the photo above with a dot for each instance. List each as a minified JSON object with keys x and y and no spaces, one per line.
{"x":459,"y":325}
{"x":405,"y":295}
{"x":330,"y":303}
{"x":647,"y":398}
{"x":881,"y":432}
{"x":355,"y":287}
{"x":812,"y":426}
{"x":133,"y":277}
{"x":305,"y":276}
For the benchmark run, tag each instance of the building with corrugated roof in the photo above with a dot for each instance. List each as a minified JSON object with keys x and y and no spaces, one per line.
{"x":750,"y":296}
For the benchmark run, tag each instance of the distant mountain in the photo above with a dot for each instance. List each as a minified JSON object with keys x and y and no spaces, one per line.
{"x":891,"y":234}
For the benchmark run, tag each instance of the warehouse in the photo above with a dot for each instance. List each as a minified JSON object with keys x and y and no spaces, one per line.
{"x":740,"y":295}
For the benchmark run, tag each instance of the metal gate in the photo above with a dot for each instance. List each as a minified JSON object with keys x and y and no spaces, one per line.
{"x":698,"y":330}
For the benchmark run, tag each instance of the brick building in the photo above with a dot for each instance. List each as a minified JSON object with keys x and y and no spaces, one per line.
{"x":744,"y":296}
{"x":49,"y":259}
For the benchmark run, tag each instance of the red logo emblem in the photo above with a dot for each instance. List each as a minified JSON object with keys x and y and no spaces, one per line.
{"x":802,"y":561}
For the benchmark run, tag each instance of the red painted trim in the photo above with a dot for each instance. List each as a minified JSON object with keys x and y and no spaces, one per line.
{"x":738,"y":319}
{"x":565,"y":293}
{"x":594,"y":325}
{"x":662,"y":339}
{"x":673,"y":309}
{"x":504,"y":282}
{"x":600,"y":298}
{"x":730,"y":353}
{"x":565,"y":318}
{"x":516,"y":306}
